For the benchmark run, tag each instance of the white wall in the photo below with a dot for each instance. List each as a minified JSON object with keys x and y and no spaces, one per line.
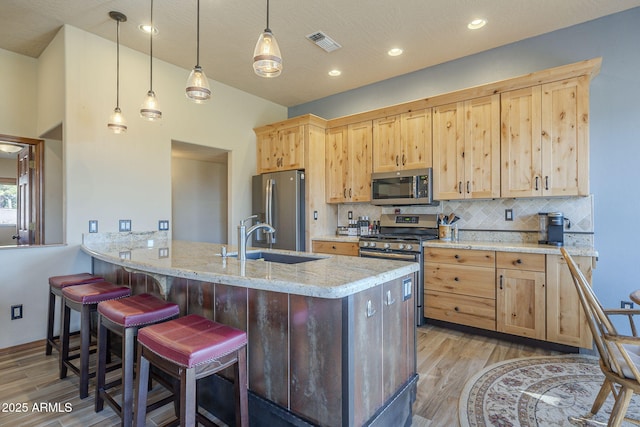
{"x":199,"y":193}
{"x":110,"y":177}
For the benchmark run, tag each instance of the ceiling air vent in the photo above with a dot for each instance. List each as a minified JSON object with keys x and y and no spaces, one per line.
{"x":324,"y":41}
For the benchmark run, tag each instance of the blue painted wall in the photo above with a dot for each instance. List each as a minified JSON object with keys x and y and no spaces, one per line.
{"x":615,"y":123}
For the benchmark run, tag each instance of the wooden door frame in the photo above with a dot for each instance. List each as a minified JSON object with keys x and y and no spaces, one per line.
{"x":38,"y":181}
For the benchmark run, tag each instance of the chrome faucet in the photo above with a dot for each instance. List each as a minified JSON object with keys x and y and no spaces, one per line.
{"x":243,"y":235}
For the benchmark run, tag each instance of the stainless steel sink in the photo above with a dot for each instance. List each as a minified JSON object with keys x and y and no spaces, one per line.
{"x":278,"y":257}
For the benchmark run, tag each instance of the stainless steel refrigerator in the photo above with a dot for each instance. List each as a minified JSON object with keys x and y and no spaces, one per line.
{"x":278,"y":199}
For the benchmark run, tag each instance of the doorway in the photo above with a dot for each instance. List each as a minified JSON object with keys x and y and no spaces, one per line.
{"x":199,"y":195}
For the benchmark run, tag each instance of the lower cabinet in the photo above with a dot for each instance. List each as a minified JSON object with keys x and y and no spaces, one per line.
{"x":529,"y":295}
{"x":520,"y":294}
{"x":335,"y":248}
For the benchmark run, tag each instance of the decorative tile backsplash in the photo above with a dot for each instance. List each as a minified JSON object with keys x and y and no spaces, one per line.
{"x":479,"y":219}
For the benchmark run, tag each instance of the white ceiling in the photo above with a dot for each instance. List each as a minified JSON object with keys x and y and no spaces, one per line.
{"x":429,"y":31}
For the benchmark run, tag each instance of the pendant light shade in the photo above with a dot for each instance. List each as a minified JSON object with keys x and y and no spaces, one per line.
{"x":150,"y":109}
{"x":117,"y":123}
{"x":197,"y":84}
{"x":267,"y":61}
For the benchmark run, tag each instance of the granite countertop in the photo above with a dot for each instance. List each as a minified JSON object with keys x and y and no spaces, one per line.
{"x":531,"y":248}
{"x":331,"y":276}
{"x":338,"y":238}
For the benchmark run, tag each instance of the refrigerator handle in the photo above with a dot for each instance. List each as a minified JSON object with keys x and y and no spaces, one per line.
{"x":269,"y":208}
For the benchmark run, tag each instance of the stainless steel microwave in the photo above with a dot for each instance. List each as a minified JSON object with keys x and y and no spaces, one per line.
{"x":409,"y":187}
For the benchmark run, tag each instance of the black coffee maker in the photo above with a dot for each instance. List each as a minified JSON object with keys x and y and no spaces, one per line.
{"x":551,"y":228}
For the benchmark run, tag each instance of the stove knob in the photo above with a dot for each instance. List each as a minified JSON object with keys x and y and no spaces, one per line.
{"x":401,"y":246}
{"x":365,"y":244}
{"x":372,"y":244}
{"x":409,"y":247}
{"x":387,"y":246}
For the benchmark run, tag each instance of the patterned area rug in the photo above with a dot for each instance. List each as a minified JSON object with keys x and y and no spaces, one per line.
{"x":537,"y":391}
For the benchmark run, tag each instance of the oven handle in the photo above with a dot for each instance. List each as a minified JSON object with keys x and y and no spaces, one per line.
{"x":390,"y":255}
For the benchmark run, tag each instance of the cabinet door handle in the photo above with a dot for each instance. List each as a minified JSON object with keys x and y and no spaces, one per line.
{"x":404,"y":159}
{"x":501,"y":281}
{"x":397,"y":163}
{"x":349,"y":193}
{"x":518,"y":261}
{"x":333,"y":247}
{"x":390,"y":300}
{"x":456,"y":256}
{"x":344,"y":193}
{"x":546,"y":182}
{"x":460,"y":187}
{"x":370,"y":310}
{"x":536,"y":188}
{"x":468,"y":188}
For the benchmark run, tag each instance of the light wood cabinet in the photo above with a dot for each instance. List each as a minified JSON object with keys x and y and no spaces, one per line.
{"x":348,"y":163}
{"x":566,"y":321}
{"x":402,"y":141}
{"x":460,"y":287}
{"x":545,"y":145}
{"x":280,"y":150}
{"x":466,"y":149}
{"x":520,"y":294}
{"x":335,"y":248}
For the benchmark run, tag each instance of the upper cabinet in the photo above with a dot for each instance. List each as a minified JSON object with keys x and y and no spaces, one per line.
{"x":466,"y":149}
{"x":280,"y":150}
{"x":545,"y":143}
{"x":402,"y":141}
{"x":348,"y":163}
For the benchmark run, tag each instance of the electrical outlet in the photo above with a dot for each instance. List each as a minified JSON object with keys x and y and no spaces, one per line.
{"x":93,"y":226}
{"x":163,"y":225}
{"x":626,"y":304}
{"x":124,"y":225}
{"x":350,"y":215}
{"x":407,"y":287}
{"x":508,"y":214}
{"x":16,"y":312}
{"x":315,"y":215}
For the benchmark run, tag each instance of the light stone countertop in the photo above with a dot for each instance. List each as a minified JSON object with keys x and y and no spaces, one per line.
{"x":338,"y":238}
{"x":531,"y":248}
{"x":331,"y":276}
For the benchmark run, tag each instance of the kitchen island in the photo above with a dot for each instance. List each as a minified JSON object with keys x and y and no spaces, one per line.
{"x":331,"y":341}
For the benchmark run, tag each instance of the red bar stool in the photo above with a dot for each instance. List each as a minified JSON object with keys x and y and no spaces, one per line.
{"x":84,"y":299}
{"x":190,"y":348}
{"x":125,"y":317}
{"x":56,"y":283}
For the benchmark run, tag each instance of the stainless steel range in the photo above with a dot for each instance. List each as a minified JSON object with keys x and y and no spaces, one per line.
{"x":401,"y":238}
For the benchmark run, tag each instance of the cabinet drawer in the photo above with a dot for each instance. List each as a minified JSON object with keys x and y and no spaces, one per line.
{"x":461,"y":309}
{"x":335,"y":248}
{"x":520,"y":261}
{"x":464,"y":280}
{"x":460,"y":256}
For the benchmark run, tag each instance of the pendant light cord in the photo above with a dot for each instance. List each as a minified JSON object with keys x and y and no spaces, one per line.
{"x":118,"y":64}
{"x":151,"y":51}
{"x":198,"y":36}
{"x":268,"y":17}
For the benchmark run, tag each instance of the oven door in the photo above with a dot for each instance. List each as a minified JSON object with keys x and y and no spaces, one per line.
{"x":395,"y":255}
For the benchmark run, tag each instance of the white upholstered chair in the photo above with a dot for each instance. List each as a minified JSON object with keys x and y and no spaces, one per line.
{"x":619,"y":354}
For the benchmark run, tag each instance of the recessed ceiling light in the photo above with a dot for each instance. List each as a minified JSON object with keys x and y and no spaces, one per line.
{"x":477,"y":23}
{"x":395,"y":51}
{"x":146,"y":28}
{"x":335,"y":73}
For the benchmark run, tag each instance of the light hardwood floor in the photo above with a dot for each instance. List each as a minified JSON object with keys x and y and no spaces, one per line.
{"x":445,"y":360}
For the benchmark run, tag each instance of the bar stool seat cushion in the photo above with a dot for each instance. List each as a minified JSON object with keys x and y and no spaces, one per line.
{"x":191,"y":340}
{"x":60,"y":282}
{"x":93,"y":293}
{"x":137,"y":310}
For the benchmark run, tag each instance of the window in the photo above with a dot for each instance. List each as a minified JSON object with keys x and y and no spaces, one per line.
{"x":8,"y":201}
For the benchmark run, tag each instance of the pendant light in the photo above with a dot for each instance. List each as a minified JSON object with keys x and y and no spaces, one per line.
{"x":150,"y":109}
{"x":117,"y":123}
{"x":267,"y":61}
{"x":197,"y":84}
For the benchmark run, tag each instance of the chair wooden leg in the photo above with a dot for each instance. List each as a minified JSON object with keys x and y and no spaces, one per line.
{"x":128,"y":343}
{"x":85,"y":341}
{"x":602,"y":396}
{"x":142,"y":377}
{"x":240,"y":388}
{"x":620,"y":407}
{"x":188,"y":403}
{"x":50,"y":320}
{"x":63,"y":355}
{"x":101,"y":367}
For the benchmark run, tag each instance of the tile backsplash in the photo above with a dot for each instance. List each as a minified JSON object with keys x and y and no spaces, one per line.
{"x":479,"y":216}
